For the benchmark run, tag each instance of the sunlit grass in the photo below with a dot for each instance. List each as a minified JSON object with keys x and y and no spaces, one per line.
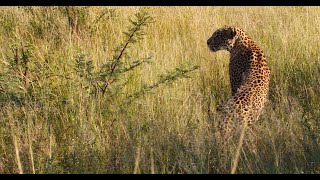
{"x":61,"y":128}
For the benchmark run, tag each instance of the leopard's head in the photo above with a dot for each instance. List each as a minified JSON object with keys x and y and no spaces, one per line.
{"x":222,"y":39}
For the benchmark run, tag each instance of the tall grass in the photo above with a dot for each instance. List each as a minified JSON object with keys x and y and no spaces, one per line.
{"x":52,"y":122}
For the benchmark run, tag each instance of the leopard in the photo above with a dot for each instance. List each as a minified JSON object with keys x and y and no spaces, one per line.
{"x":249,"y":76}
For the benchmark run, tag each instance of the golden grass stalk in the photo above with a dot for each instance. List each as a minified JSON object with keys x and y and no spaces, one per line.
{"x":237,"y":156}
{"x":137,"y":161}
{"x":16,"y":148}
{"x":30,"y":149}
{"x":152,"y":161}
{"x":15,"y":143}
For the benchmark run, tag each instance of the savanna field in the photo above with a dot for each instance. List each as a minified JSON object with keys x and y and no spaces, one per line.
{"x":131,"y":89}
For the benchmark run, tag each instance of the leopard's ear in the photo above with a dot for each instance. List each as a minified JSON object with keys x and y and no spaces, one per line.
{"x":231,"y":32}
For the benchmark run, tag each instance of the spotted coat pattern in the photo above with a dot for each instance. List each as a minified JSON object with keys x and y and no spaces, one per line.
{"x":249,"y":78}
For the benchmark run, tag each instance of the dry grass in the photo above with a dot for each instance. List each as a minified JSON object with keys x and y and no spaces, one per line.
{"x":65,"y":130}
